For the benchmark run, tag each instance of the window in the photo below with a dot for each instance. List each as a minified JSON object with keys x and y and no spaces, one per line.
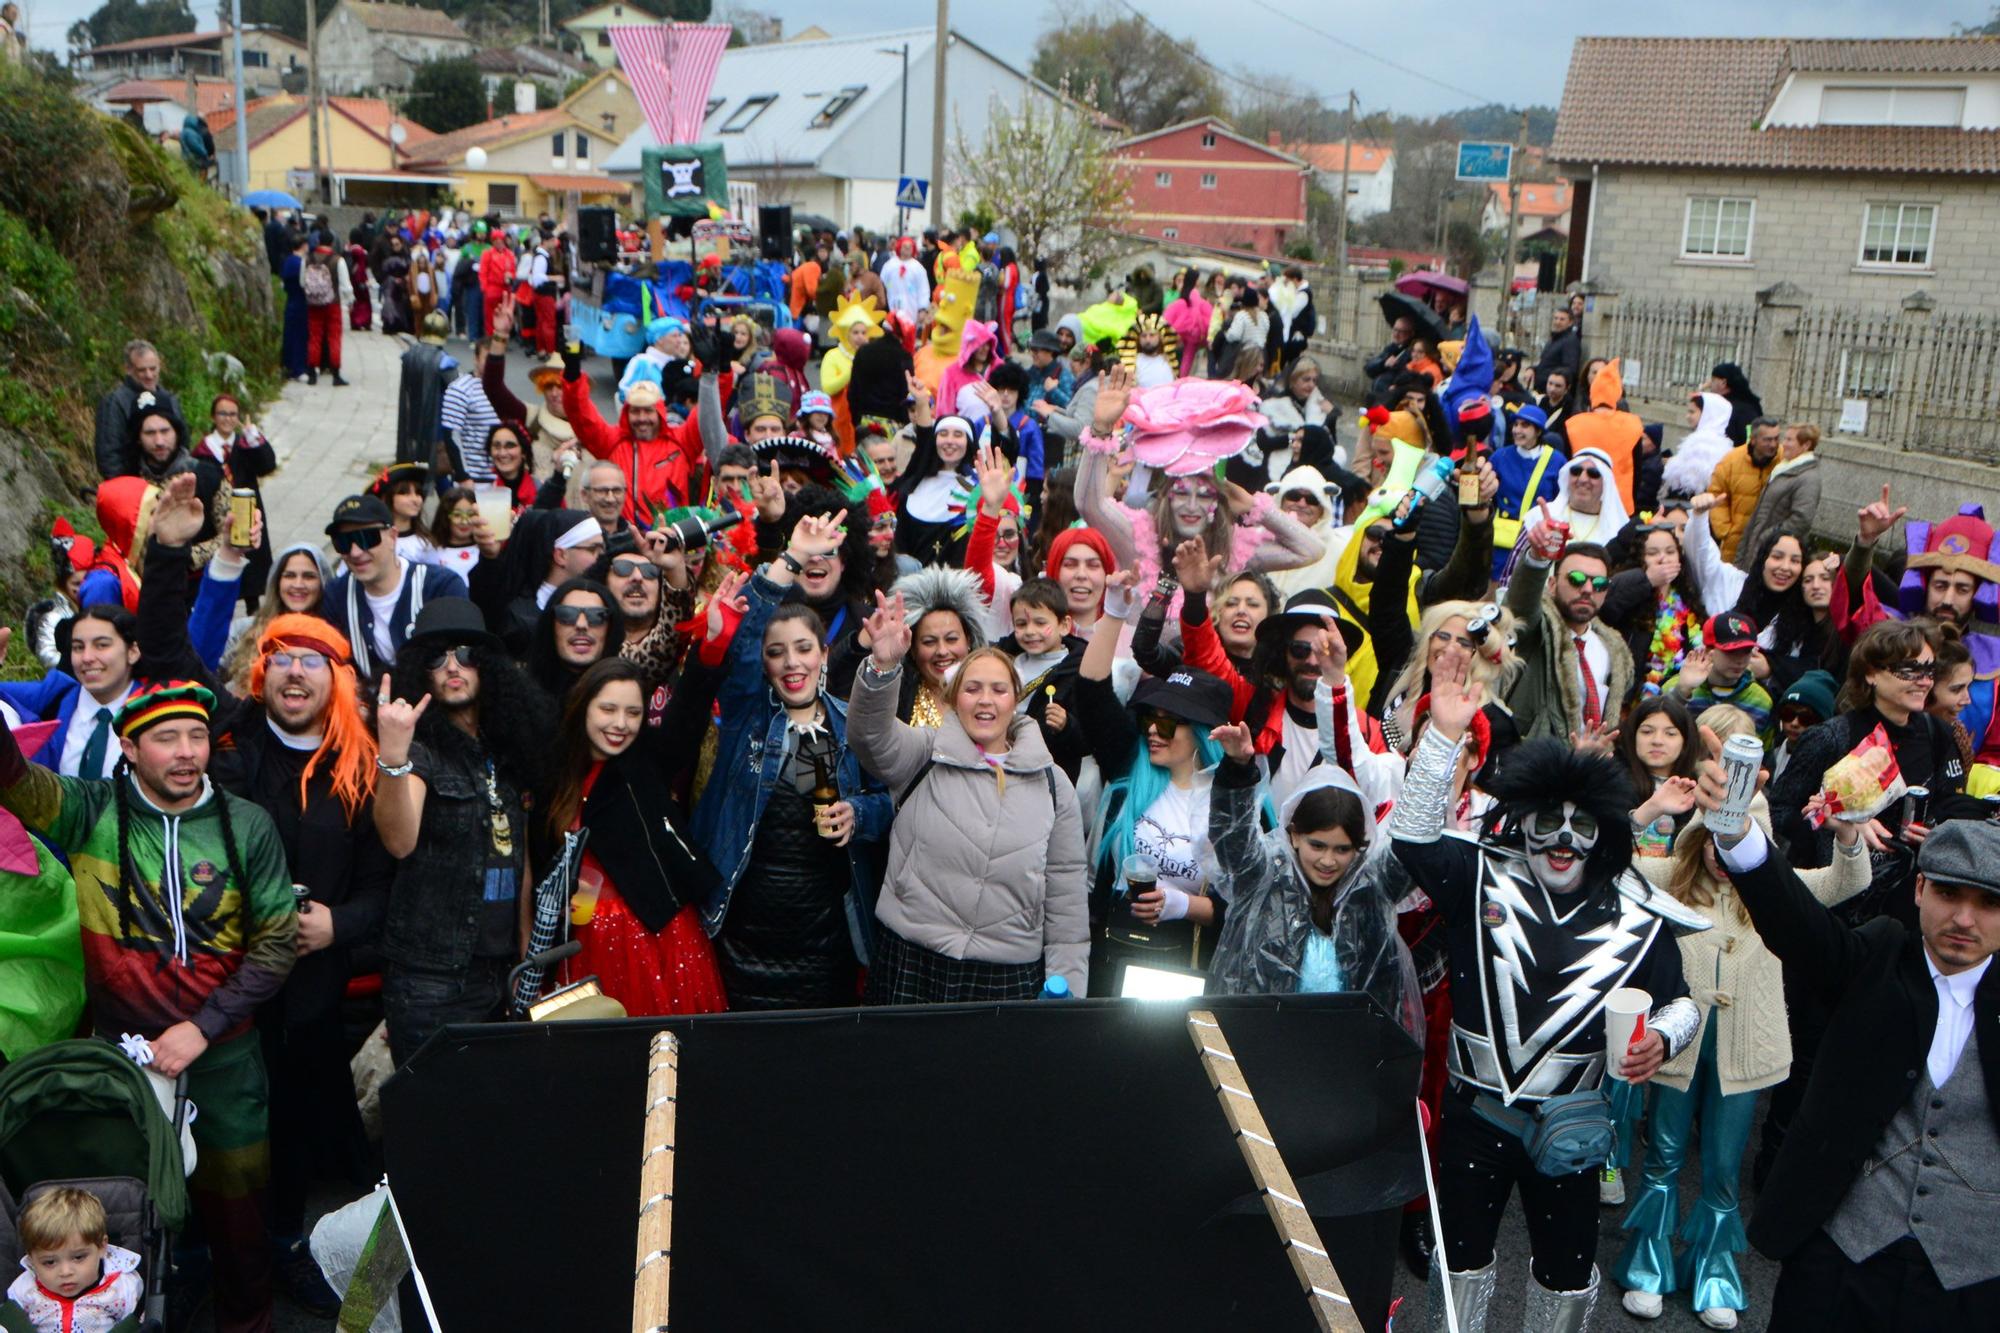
{"x":1170,"y":233}
{"x":1717,"y":228}
{"x":1163,"y":179}
{"x":1867,"y":372}
{"x":503,"y":198}
{"x":741,"y":118}
{"x":1892,"y":106}
{"x":1899,"y":234}
{"x":1208,"y":180}
{"x":836,"y":104}
{"x":582,"y":146}
{"x":256,"y":60}
{"x":1208,"y":141}
{"x":603,"y":37}
{"x":556,"y":155}
{"x":714,"y":105}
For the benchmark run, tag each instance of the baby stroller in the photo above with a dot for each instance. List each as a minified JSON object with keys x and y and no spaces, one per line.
{"x":80,"y":1113}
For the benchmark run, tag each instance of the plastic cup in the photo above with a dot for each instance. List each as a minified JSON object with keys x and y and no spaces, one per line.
{"x":1625,"y":1011}
{"x":496,"y":506}
{"x":1141,"y":873}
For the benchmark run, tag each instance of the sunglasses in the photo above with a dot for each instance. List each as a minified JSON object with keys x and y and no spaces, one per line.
{"x":593,"y":616}
{"x":362,"y":539}
{"x":1299,"y":650}
{"x":1590,"y":472}
{"x":310,"y":661}
{"x":1376,"y":535}
{"x":1154,"y":720}
{"x":1595,"y":582}
{"x":1914,"y":671}
{"x":462,"y":653}
{"x":626,"y":567}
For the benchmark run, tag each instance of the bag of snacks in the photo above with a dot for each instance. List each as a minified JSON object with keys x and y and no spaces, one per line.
{"x":1861,"y":783}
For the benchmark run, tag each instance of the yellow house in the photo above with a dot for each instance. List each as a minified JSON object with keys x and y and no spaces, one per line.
{"x":607,"y":102}
{"x":358,"y":145}
{"x":523,"y":166}
{"x":590,"y":25}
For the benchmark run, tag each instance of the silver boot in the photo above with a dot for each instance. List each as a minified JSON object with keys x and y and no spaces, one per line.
{"x":1471,"y":1293}
{"x":1547,"y":1311}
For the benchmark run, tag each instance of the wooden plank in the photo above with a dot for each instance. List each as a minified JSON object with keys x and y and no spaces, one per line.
{"x":1330,"y":1305}
{"x":656,"y":1188}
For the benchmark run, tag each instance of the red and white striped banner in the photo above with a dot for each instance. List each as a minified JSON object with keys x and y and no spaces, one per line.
{"x":672,"y":68}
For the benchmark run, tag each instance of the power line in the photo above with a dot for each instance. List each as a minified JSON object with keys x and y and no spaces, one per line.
{"x":1478,"y":98}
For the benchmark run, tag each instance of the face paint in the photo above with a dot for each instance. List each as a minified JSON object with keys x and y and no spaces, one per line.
{"x":1559,"y":840}
{"x":1193,"y":505}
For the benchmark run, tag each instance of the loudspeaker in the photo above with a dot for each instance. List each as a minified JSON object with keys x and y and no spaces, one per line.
{"x":774,"y":232}
{"x":596,"y":235}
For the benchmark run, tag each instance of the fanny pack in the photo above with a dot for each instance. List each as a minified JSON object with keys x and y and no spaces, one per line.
{"x":1563,"y":1135}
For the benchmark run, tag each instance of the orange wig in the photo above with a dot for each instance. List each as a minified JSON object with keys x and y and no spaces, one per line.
{"x":345,"y":742}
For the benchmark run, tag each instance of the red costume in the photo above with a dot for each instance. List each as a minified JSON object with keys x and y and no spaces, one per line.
{"x":662,"y":473}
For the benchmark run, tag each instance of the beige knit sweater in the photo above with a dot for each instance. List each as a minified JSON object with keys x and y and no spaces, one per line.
{"x":1737,"y":982}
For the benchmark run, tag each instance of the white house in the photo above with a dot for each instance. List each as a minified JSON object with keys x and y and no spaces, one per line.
{"x":1371,"y":175}
{"x":365,"y":46}
{"x":821,"y":125}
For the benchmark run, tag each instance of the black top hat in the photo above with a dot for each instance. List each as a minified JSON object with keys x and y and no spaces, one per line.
{"x":1312,"y":607}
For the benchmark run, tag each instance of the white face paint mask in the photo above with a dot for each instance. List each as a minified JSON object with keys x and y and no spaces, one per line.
{"x":1559,"y":840}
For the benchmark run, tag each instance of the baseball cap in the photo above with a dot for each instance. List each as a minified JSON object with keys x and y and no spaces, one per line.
{"x":1188,"y":694}
{"x":365,"y":511}
{"x":1729,"y":631}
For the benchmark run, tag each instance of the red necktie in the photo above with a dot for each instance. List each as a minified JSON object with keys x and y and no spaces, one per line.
{"x":1593,"y":714}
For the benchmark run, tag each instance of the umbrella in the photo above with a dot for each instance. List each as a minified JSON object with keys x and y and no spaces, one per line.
{"x":1423,"y":282}
{"x":814,"y":222}
{"x":1401,"y":305}
{"x":270,"y":199}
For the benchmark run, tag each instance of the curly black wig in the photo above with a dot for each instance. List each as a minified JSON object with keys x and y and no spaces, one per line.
{"x":516,"y":716}
{"x":1539,"y":774}
{"x":857,"y":574}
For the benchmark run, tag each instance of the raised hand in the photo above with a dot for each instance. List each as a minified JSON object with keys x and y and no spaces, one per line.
{"x":179,"y":513}
{"x":1330,"y":651}
{"x":922,"y":413}
{"x":767,"y":493}
{"x":1454,"y":699}
{"x":817,"y":536}
{"x":396,"y":724}
{"x":1872,"y":520}
{"x":888,"y":632}
{"x":1195,"y":567}
{"x":1235,"y":740}
{"x":729,"y":594}
{"x":1548,"y":537}
{"x":996,"y":481}
{"x":1695,"y":668}
{"x":1701,"y":504}
{"x":1598,"y":742}
{"x":1114,"y":395}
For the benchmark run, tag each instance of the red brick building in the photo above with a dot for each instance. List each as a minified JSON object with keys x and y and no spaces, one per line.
{"x":1203,"y":183}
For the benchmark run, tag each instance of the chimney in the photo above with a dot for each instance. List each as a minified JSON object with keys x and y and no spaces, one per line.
{"x":524,"y":97}
{"x":1271,"y":138}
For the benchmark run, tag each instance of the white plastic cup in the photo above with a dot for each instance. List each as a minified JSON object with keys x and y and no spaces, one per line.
{"x":496,"y":506}
{"x":1625,"y":1011}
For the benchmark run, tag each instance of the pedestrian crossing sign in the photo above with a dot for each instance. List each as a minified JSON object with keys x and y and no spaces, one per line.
{"x":911,"y":192}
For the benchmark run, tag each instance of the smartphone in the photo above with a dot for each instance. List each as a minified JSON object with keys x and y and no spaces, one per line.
{"x":242,"y":516}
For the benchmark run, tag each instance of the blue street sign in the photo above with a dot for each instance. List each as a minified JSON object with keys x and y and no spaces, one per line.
{"x":911,"y":191}
{"x":1485,"y":161}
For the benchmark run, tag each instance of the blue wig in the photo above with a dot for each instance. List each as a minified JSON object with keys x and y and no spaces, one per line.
{"x":1142,"y":785}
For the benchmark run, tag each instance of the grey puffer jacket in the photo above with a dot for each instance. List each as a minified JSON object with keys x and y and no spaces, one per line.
{"x":978,"y":869}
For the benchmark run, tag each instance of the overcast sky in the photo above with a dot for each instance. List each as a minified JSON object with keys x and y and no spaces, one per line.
{"x":1513,"y":53}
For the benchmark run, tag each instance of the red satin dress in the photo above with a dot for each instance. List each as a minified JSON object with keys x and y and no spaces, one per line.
{"x":672,"y":971}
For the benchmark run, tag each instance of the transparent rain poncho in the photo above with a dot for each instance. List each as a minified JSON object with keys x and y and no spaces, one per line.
{"x":1265,"y":934}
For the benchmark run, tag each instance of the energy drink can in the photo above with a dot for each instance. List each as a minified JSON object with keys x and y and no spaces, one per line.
{"x":242,"y":516}
{"x":1742,"y":756}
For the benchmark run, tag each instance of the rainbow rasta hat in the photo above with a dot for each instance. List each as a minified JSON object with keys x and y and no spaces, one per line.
{"x":159,"y":702}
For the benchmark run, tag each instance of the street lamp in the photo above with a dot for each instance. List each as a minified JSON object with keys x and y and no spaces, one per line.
{"x":903,"y":139}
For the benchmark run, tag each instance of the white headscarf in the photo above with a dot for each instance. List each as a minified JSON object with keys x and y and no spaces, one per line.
{"x":1694,"y":458}
{"x":1611,"y":513}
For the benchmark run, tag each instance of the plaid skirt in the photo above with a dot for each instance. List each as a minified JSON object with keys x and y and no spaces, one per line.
{"x":906,"y":973}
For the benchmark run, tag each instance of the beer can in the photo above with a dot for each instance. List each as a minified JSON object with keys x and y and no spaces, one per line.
{"x":242,"y":516}
{"x":1742,"y":756}
{"x":301,"y":895}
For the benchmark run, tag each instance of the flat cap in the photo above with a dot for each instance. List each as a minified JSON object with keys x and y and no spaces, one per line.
{"x":1963,"y":851}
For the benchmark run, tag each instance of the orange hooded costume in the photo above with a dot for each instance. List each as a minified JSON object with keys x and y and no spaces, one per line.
{"x":1607,"y":428}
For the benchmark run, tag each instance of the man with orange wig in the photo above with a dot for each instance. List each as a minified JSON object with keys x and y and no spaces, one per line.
{"x":300,"y":748}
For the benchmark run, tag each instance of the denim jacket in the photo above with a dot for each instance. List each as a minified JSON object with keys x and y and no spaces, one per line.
{"x":750,"y":757}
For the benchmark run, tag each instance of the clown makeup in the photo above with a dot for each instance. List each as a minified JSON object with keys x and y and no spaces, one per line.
{"x":1192,"y":502}
{"x":882,"y":534}
{"x":1559,"y":840}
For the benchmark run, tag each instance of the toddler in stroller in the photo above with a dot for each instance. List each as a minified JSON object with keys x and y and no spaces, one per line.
{"x":78,"y":1116}
{"x":76,"y":1280}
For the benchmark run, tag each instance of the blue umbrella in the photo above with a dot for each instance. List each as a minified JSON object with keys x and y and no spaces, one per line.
{"x":270,"y":199}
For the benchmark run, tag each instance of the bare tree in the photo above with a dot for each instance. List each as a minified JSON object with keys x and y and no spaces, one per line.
{"x":1047,"y":173}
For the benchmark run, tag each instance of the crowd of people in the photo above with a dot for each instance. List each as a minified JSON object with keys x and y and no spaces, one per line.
{"x":1009,"y":660}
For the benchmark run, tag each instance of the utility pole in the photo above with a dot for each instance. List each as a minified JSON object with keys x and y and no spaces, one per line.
{"x":1340,"y":241}
{"x":312,"y":95}
{"x":1513,"y":227}
{"x":939,"y":43}
{"x":242,"y":111}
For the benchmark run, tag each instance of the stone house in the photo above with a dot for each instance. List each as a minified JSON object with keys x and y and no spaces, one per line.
{"x":1857,"y":171}
{"x":366,"y":47}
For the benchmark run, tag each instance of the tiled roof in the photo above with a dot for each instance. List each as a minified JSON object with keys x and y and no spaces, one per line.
{"x":268,"y":115}
{"x":501,"y":129}
{"x":1697,"y":102}
{"x":375,"y":114}
{"x":211,"y":96}
{"x":1369,"y":158}
{"x":410,"y":20}
{"x":1539,"y":199}
{"x":165,"y":42}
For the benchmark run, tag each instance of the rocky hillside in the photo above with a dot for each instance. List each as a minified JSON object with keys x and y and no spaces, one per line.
{"x":104,"y":237}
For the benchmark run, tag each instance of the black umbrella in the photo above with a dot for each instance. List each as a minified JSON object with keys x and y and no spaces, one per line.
{"x":1401,"y":305}
{"x":814,"y":222}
